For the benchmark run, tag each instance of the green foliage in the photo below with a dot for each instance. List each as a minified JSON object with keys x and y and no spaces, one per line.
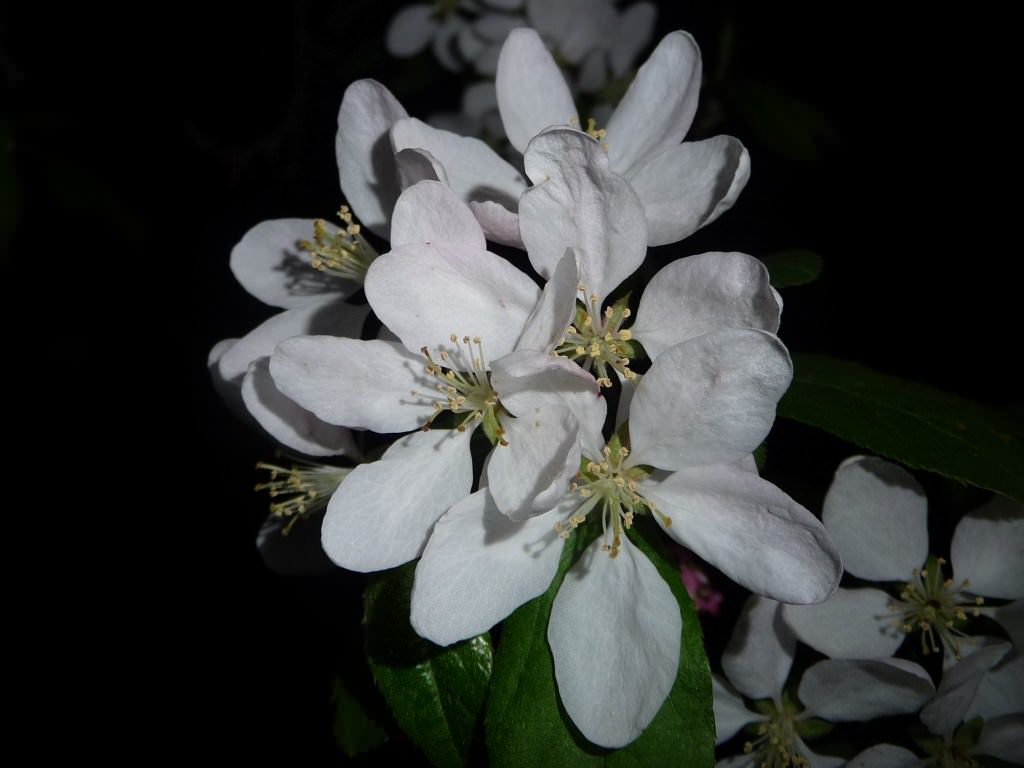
{"x":526,"y":724}
{"x":797,"y":266}
{"x":436,"y":694}
{"x":355,"y":730}
{"x":914,"y":424}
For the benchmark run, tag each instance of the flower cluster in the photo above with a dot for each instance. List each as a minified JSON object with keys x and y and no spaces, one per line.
{"x":970,"y":705}
{"x":496,"y":414}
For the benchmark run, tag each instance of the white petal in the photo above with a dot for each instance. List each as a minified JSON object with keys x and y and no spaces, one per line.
{"x":383,"y":512}
{"x":325,"y":317}
{"x":532,"y":93}
{"x":687,"y":186}
{"x":736,"y":761}
{"x":1011,"y":617}
{"x":474,"y":170}
{"x":356,"y":384}
{"x":698,"y":294}
{"x":410,"y":30}
{"x":526,"y":380}
{"x":270,"y":265}
{"x":760,"y":651}
{"x":1001,"y":691}
{"x":576,"y":202}
{"x":748,"y":529}
{"x":426,"y":293}
{"x":592,"y":73}
{"x":226,"y":383}
{"x":988,"y":549}
{"x":659,"y":106}
{"x":1003,"y":737}
{"x":478,"y":567}
{"x":818,"y":761}
{"x":499,"y":223}
{"x":555,"y":310}
{"x":573,"y":27}
{"x":288,"y":422}
{"x":852,"y":624}
{"x":615,"y":633}
{"x":885,"y":756}
{"x":415,"y":165}
{"x":533,"y":471}
{"x":633,"y":31}
{"x":708,"y":400}
{"x":299,"y":553}
{"x":877,"y":514}
{"x":429,"y":212}
{"x":730,"y":712}
{"x":366,"y":163}
{"x":845,"y":690}
{"x":445,"y":41}
{"x":959,"y":686}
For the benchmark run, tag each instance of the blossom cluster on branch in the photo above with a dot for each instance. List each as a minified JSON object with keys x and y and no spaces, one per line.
{"x":472,"y":340}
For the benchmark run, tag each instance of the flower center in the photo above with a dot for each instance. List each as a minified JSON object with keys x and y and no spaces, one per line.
{"x":463,"y":387}
{"x":344,"y":253}
{"x":610,"y":486}
{"x":597,"y":341}
{"x":302,"y":489}
{"x":936,"y":606}
{"x":776,"y":742}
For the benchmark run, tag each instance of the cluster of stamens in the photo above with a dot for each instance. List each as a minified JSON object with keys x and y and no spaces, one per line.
{"x":936,"y":607}
{"x":597,"y":340}
{"x":463,"y":386}
{"x":612,"y":487}
{"x":344,"y":253}
{"x":300,"y":490}
{"x":592,"y":130}
{"x":775,"y":745}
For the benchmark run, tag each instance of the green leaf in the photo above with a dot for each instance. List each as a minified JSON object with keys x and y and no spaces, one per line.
{"x":914,"y":424}
{"x":355,"y":730}
{"x":787,"y":125}
{"x":436,"y":694}
{"x":797,"y":266}
{"x":526,"y":724}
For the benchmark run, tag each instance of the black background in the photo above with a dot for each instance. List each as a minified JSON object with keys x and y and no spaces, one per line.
{"x":145,"y":147}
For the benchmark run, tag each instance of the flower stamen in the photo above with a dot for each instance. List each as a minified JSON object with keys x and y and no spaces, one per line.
{"x":597,"y":341}
{"x":463,"y":387}
{"x":344,"y":253}
{"x":303,"y":489}
{"x":936,"y":607}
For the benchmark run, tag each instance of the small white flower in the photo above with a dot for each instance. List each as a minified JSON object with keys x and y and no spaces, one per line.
{"x":470,"y":326}
{"x":594,"y":36}
{"x":696,"y":415}
{"x":877,"y":515}
{"x":757,"y":663}
{"x":682,"y":186}
{"x":988,"y":684}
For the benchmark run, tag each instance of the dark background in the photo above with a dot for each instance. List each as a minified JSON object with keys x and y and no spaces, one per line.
{"x":143,"y":149}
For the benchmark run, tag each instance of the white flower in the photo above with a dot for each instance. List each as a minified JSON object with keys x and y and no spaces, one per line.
{"x":470,"y":326}
{"x":594,"y":36}
{"x":681,"y":185}
{"x":308,"y":268}
{"x":757,"y":663}
{"x":458,"y":31}
{"x":607,"y":231}
{"x":877,"y":515}
{"x":696,"y":415}
{"x":988,"y":684}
